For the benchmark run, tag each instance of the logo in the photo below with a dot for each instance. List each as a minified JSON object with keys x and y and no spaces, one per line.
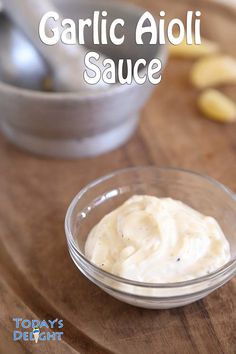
{"x":36,"y":330}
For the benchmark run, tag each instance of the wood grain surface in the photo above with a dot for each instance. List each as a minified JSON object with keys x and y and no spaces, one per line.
{"x":38,"y":279}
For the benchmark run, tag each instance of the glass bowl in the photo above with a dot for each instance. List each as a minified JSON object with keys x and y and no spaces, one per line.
{"x":105,"y":194}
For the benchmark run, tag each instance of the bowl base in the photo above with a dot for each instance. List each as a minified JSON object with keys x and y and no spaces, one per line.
{"x":71,"y":148}
{"x":154,"y":304}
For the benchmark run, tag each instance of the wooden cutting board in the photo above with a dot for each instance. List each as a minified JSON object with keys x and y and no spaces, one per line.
{"x":38,"y":279}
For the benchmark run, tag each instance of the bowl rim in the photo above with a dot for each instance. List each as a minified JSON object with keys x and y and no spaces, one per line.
{"x":161,"y":53}
{"x":229,"y":266}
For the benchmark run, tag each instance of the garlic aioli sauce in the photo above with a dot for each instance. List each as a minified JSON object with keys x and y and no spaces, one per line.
{"x":154,"y":240}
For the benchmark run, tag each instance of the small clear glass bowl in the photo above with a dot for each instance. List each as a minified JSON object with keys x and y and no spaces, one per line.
{"x":105,"y":194}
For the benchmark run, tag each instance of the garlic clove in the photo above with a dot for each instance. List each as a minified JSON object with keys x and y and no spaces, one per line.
{"x":214,"y":71}
{"x":193,"y":51}
{"x":216,"y":106}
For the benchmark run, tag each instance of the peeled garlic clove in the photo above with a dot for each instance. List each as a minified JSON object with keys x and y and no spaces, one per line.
{"x":184,"y":50}
{"x":216,"y":106}
{"x":213,"y":71}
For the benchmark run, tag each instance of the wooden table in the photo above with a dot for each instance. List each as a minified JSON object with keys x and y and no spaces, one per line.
{"x":38,"y":279}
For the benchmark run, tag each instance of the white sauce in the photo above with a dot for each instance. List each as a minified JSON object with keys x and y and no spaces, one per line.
{"x":157,"y":240}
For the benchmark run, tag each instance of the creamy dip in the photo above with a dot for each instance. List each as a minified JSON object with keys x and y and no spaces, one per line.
{"x":159,"y":240}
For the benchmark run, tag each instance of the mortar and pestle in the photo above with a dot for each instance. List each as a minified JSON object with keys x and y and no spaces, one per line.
{"x":76,"y":119}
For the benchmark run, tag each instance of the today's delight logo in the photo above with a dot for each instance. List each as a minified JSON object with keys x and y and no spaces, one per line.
{"x":35,"y":330}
